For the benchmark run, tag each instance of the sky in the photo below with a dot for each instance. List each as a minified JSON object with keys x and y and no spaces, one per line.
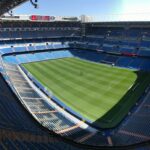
{"x":98,"y":9}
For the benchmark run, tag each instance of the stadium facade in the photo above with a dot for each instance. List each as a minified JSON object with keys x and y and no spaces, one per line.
{"x":32,"y":117}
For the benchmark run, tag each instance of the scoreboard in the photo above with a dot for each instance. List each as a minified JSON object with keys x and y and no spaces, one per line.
{"x":42,"y":18}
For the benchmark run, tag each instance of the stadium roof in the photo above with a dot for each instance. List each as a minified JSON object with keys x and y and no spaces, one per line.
{"x":6,"y":5}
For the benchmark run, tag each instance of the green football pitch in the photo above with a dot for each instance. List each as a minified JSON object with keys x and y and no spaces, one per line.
{"x":100,"y":93}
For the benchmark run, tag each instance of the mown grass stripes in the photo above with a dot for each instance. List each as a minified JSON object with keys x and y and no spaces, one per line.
{"x":91,"y":89}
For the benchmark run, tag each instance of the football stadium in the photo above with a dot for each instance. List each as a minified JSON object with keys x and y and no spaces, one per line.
{"x":70,"y":83}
